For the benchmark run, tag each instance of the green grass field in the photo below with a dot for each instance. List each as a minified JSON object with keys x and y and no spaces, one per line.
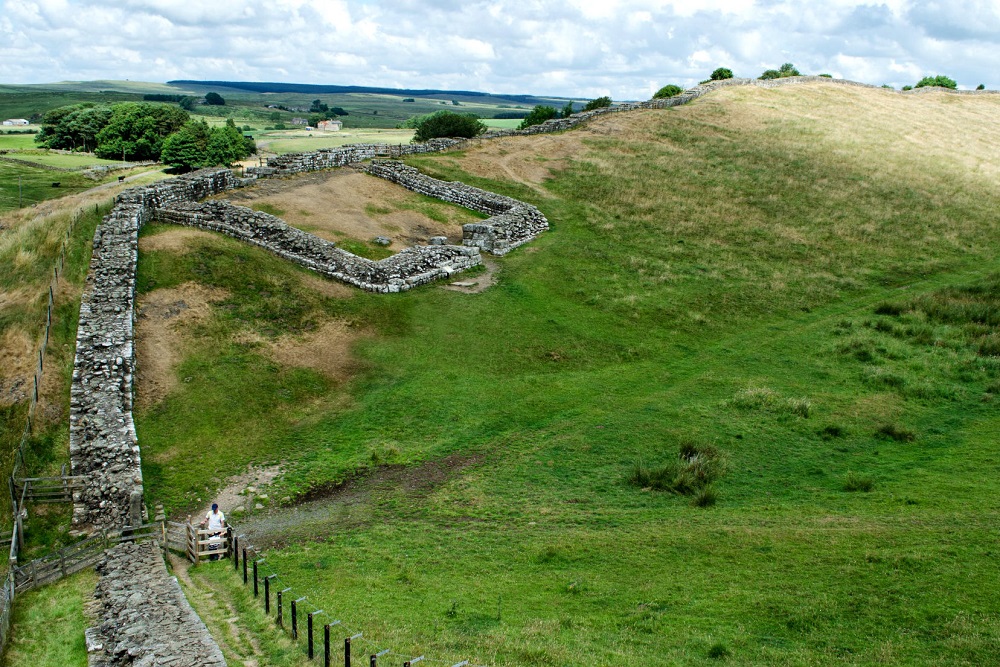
{"x":502,"y":123}
{"x":62,"y":160}
{"x":17,"y":142}
{"x":48,"y":625}
{"x":366,"y":110}
{"x":770,"y":275}
{"x":297,"y":141}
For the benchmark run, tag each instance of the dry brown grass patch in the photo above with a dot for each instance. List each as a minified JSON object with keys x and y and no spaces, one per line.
{"x":175,"y":239}
{"x":339,"y":203}
{"x":161,"y":336}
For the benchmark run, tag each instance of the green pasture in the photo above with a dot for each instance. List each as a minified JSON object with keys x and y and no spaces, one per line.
{"x":48,"y":624}
{"x":723,"y":276}
{"x":36,"y":184}
{"x":294,"y":141}
{"x":502,"y":123}
{"x":62,"y":160}
{"x":17,"y":142}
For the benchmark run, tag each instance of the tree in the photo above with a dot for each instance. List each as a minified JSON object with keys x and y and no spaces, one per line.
{"x":214,"y":99}
{"x":318,"y":107}
{"x":567,"y":110}
{"x":537,"y":116}
{"x":136,"y":130}
{"x":670,"y":90}
{"x":788,"y":69}
{"x":449,"y":124}
{"x":721,"y":74}
{"x":196,"y":145}
{"x":73,"y":127}
{"x":981,"y":86}
{"x":940,"y":81}
{"x":187,"y":103}
{"x":188,"y":147}
{"x":598,"y":103}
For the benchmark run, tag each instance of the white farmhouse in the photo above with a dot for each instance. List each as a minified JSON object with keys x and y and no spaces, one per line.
{"x":15,"y":121}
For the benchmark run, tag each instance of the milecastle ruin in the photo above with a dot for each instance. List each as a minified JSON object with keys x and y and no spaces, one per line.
{"x":103,"y":443}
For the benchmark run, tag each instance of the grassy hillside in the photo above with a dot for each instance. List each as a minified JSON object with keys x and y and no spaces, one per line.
{"x":366,"y":109}
{"x":801,"y":284}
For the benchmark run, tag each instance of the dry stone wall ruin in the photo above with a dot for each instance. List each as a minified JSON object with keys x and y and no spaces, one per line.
{"x":144,"y":618}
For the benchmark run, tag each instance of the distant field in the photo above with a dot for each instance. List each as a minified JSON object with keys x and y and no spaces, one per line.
{"x":502,"y":123}
{"x":366,"y":110}
{"x":62,"y":160}
{"x":17,"y":141}
{"x":298,"y":141}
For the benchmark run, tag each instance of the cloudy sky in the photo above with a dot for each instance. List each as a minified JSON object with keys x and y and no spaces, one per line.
{"x":576,"y":48}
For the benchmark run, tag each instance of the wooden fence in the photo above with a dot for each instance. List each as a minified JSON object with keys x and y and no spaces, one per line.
{"x":288,"y":607}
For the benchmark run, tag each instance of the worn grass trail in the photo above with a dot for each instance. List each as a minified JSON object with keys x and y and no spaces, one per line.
{"x":769,"y":273}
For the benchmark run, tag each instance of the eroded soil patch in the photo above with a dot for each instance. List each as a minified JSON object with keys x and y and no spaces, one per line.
{"x":165,"y":317}
{"x":354,"y":502}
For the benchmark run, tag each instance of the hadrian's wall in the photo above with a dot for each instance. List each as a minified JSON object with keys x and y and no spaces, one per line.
{"x":511,"y":223}
{"x":103,"y":445}
{"x":400,"y":272}
{"x":144,"y":620}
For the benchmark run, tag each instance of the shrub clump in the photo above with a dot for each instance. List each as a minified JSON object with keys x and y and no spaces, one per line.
{"x":939,"y":81}
{"x":449,"y":124}
{"x":669,"y":90}
{"x":538,"y":115}
{"x":893,"y":432}
{"x":854,"y":482}
{"x":691,"y":473}
{"x":598,"y":103}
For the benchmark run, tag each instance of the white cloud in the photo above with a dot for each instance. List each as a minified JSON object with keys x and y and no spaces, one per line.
{"x":625,"y":48}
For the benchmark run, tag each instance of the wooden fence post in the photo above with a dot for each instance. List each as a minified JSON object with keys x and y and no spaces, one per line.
{"x":267,"y":593}
{"x":245,"y":577}
{"x":255,"y":589}
{"x":236,"y":553}
{"x":280,"y":593}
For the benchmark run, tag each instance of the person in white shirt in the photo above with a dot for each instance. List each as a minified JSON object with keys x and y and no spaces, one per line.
{"x":216,"y":522}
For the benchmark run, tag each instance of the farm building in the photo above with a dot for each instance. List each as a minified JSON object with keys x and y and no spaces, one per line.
{"x":330,"y":125}
{"x":15,"y":121}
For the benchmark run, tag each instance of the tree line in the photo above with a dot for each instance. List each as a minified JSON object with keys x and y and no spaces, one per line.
{"x":140,"y":131}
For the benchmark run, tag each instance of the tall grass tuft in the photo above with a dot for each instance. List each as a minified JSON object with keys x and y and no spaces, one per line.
{"x":855,"y":482}
{"x":691,"y":473}
{"x":768,"y":400}
{"x":894,"y":432}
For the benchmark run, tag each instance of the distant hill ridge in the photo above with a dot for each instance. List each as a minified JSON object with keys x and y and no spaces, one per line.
{"x":322,"y":89}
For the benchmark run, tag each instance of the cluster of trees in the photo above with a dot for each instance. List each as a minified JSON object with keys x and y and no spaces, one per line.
{"x":320,"y":108}
{"x":129,"y":130}
{"x":788,"y":69}
{"x":139,"y":131}
{"x":446,"y":124}
{"x":197,"y":145}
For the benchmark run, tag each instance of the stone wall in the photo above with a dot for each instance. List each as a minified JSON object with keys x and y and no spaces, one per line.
{"x":398,"y":273}
{"x":145,"y":620}
{"x":103,"y":445}
{"x":512,"y":222}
